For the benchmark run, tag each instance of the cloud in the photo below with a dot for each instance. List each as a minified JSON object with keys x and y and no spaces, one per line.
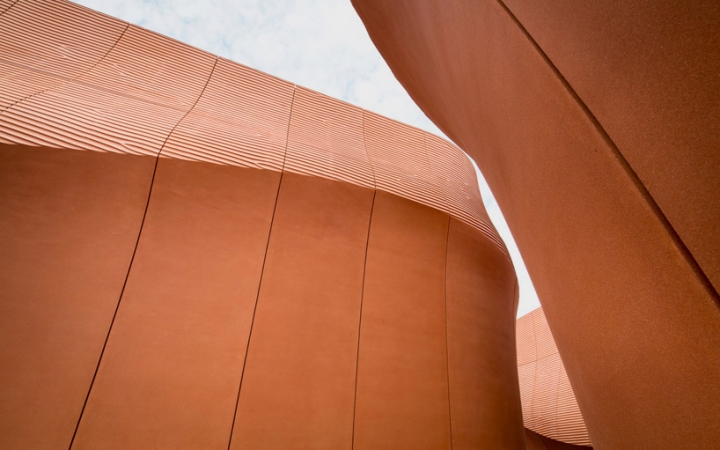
{"x":319,"y":44}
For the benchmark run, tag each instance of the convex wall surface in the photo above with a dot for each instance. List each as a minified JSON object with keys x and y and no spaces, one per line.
{"x":194,"y":254}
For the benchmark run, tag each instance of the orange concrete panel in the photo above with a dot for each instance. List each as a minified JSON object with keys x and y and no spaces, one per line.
{"x":141,"y":63}
{"x":638,"y":328}
{"x":241,"y":120}
{"x":402,"y":386}
{"x":47,"y":44}
{"x":123,"y":105}
{"x":485,"y":405}
{"x":326,"y":139}
{"x":170,"y":372}
{"x":549,"y":404}
{"x":69,"y":222}
{"x":399,"y":158}
{"x":79,"y":117}
{"x":544,"y":413}
{"x":19,"y":83}
{"x":570,"y":426}
{"x":544,"y":341}
{"x":648,"y":72}
{"x":298,"y":388}
{"x":525,"y":340}
{"x":458,"y":181}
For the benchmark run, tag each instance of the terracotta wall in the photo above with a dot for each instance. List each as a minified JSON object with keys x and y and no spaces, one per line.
{"x":548,"y":401}
{"x":595,"y":126}
{"x":199,"y":255}
{"x":535,"y":441}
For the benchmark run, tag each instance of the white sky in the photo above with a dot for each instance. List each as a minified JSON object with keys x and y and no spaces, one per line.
{"x":319,"y":44}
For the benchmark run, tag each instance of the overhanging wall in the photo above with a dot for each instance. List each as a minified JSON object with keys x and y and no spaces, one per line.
{"x":595,"y":126}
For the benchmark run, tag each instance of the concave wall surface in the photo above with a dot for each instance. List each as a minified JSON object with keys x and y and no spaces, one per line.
{"x":194,"y":254}
{"x":596,"y":127}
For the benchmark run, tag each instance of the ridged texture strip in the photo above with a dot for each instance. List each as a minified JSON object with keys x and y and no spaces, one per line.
{"x":241,"y":120}
{"x":5,"y":4}
{"x":326,"y":139}
{"x":459,"y":184}
{"x":42,"y":46}
{"x":400,"y":161}
{"x":125,"y":104}
{"x":77,"y":79}
{"x":548,"y":402}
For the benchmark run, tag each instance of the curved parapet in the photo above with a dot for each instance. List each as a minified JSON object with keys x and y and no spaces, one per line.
{"x":548,"y":402}
{"x":115,"y":87}
{"x":195,"y":254}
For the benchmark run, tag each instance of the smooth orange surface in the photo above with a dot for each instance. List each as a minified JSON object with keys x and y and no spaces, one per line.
{"x":402,"y":386}
{"x":170,"y":372}
{"x":482,"y":370}
{"x":638,"y":329}
{"x":648,"y":71}
{"x":69,"y":222}
{"x":298,"y":390}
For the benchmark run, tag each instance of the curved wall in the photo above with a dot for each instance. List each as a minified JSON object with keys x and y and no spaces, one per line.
{"x":535,"y":441}
{"x":594,"y":126}
{"x":548,"y":401}
{"x":199,"y":255}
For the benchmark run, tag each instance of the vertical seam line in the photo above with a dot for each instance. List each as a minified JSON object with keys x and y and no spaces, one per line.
{"x":655,"y":209}
{"x":132,"y":258}
{"x":447,"y":347}
{"x":362,"y":298}
{"x":262,"y":272}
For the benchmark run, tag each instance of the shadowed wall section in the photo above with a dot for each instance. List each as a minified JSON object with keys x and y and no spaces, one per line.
{"x":195,"y":254}
{"x":470,"y":275}
{"x":596,"y":128}
{"x":535,"y":441}
{"x":548,"y":402}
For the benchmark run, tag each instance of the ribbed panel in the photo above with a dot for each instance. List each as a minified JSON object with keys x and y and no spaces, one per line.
{"x":525,"y":340}
{"x":5,"y":4}
{"x":572,"y":425}
{"x":460,"y":186}
{"x":125,"y":104}
{"x":77,"y":79}
{"x":46,"y":44}
{"x":19,"y":82}
{"x":79,"y":117}
{"x":153,"y":69}
{"x":399,"y":158}
{"x":544,"y":400}
{"x":56,"y":37}
{"x":544,"y":340}
{"x":326,"y":139}
{"x":526,"y":374}
{"x":242,"y":120}
{"x":548,"y":402}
